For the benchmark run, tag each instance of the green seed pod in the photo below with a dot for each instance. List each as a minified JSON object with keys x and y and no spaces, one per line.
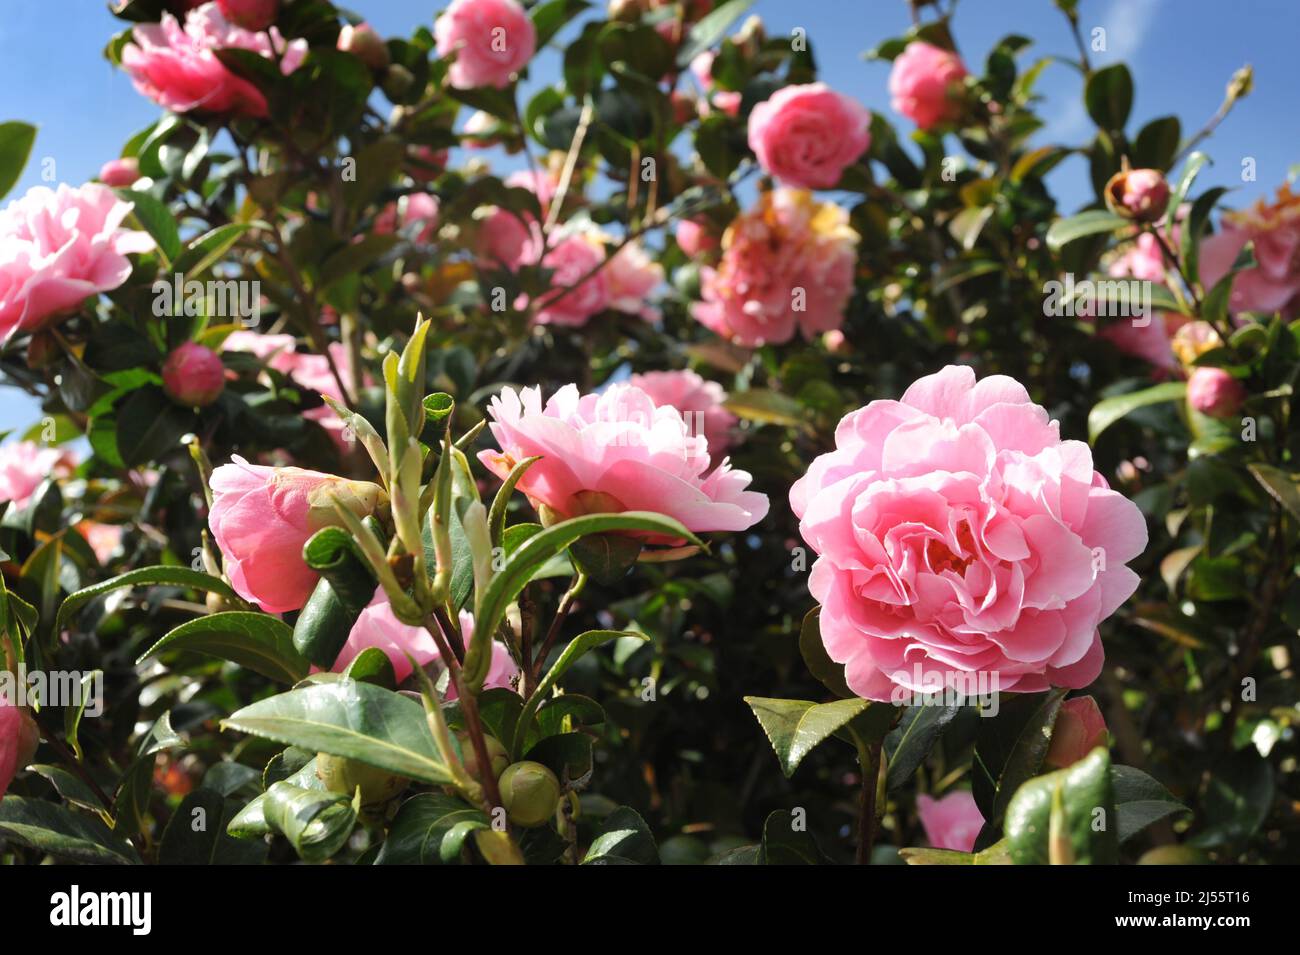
{"x":498,"y":758}
{"x":530,"y":792}
{"x":342,"y":775}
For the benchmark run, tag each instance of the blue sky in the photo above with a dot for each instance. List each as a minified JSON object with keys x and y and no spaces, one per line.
{"x":1181,"y":52}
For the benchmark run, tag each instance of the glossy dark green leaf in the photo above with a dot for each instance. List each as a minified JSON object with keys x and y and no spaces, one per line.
{"x":1081,"y":225}
{"x":63,"y":833}
{"x":1084,"y":831}
{"x":1108,"y":95}
{"x":1140,"y":801}
{"x":796,"y":727}
{"x":16,"y":141}
{"x":711,"y":28}
{"x":143,"y":577}
{"x":1009,"y":750}
{"x":787,"y":841}
{"x":316,"y":823}
{"x":819,"y":663}
{"x":430,"y":829}
{"x":1109,"y":410}
{"x":258,"y":641}
{"x":157,"y":220}
{"x":623,"y":838}
{"x":196,"y":834}
{"x":356,"y":720}
{"x":909,"y":743}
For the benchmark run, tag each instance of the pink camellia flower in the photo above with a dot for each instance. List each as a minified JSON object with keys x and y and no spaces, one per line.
{"x":261,"y":517}
{"x":491,"y":39}
{"x":1273,"y":283}
{"x":250,"y":14}
{"x":540,"y":182}
{"x":365,"y":44}
{"x":19,"y":738}
{"x":1214,"y":392}
{"x":61,"y":247}
{"x":806,"y":136}
{"x":632,"y":276}
{"x":504,"y":240}
{"x":960,"y":537}
{"x":104,"y":539}
{"x":1080,"y":728}
{"x":694,"y":238}
{"x":25,"y":464}
{"x":787,"y":265}
{"x":925,"y":84}
{"x":378,"y":627}
{"x":193,"y":375}
{"x":120,"y":173}
{"x":310,"y":371}
{"x":616,"y":451}
{"x":953,"y":822}
{"x":727,"y":102}
{"x":572,"y":261}
{"x":699,"y":402}
{"x":426,"y":163}
{"x":177,"y":66}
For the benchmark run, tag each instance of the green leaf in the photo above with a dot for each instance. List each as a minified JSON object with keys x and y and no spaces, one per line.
{"x":16,"y":141}
{"x":57,"y":830}
{"x":784,"y":843}
{"x":909,"y":743}
{"x":995,"y":854}
{"x":819,"y":663}
{"x":551,"y":16}
{"x":356,"y":720}
{"x":548,"y":543}
{"x":196,"y":834}
{"x":150,"y":426}
{"x":131,"y":802}
{"x":256,"y":641}
{"x":579,"y":647}
{"x":1282,"y":486}
{"x":1109,"y":410}
{"x":1109,"y":97}
{"x":345,"y":588}
{"x":157,"y":220}
{"x":143,"y":577}
{"x":605,"y":558}
{"x":316,"y":823}
{"x":796,"y":727}
{"x":1009,"y":749}
{"x":767,"y":407}
{"x":430,"y":829}
{"x":1083,"y":802}
{"x":1140,"y":801}
{"x":710,"y":29}
{"x":1083,"y":224}
{"x":1191,"y":167}
{"x":250,"y":822}
{"x":208,"y":248}
{"x":623,"y":839}
{"x":1157,"y":143}
{"x":497,"y":513}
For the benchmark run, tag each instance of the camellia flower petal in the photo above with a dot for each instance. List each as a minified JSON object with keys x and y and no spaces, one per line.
{"x":262,"y":516}
{"x":491,"y":40}
{"x":616,"y":451}
{"x":787,"y":266}
{"x":806,"y":136}
{"x":60,"y":247}
{"x":699,"y":402}
{"x":958,"y":537}
{"x":952,"y":822}
{"x":377,"y":626}
{"x":25,"y":464}
{"x":177,"y":66}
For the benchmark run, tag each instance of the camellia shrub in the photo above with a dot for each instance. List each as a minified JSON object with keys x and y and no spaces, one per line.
{"x":652,"y":457}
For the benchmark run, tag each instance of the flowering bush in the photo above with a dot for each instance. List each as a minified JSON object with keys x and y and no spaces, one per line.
{"x":449,"y":452}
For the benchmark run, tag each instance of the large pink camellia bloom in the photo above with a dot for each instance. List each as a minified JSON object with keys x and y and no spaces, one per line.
{"x":376,"y":626}
{"x":25,"y":464}
{"x":57,"y":247}
{"x":807,"y":135}
{"x":1273,"y":284}
{"x":177,"y":66}
{"x":699,"y":402}
{"x":491,"y":39}
{"x":262,"y":516}
{"x":786,"y":266}
{"x":960,"y":536}
{"x":925,"y":84}
{"x":616,"y":451}
{"x":952,"y":822}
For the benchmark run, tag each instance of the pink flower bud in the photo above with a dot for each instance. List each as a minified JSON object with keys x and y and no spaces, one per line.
{"x":193,"y":375}
{"x":1214,"y":392}
{"x":1080,"y":728}
{"x":19,"y":738}
{"x":119,"y":173}
{"x":926,"y":84}
{"x":365,"y":44}
{"x":1140,"y":194}
{"x":250,"y":14}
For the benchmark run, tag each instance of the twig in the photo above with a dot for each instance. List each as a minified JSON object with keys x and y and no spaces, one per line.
{"x":562,"y":611}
